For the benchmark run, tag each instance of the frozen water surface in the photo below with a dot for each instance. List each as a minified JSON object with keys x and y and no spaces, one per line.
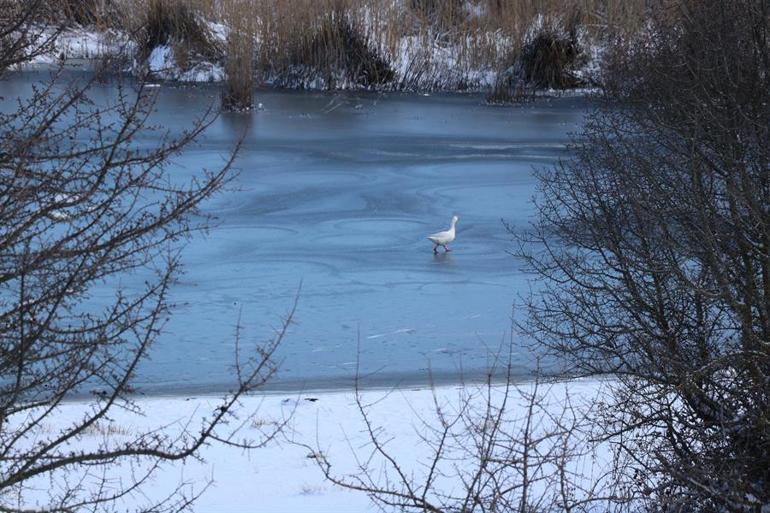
{"x":338,"y":191}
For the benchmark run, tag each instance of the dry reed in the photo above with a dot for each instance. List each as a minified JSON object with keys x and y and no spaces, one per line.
{"x":399,"y":44}
{"x":172,"y":22}
{"x":238,"y":91}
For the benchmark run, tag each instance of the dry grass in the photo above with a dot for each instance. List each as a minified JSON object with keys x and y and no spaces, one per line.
{"x":365,"y":43}
{"x":333,"y":47}
{"x":548,"y":59}
{"x":307,"y":42}
{"x":99,"y":13}
{"x":507,"y":89}
{"x":170,"y":22}
{"x":107,"y":429}
{"x":300,"y":41}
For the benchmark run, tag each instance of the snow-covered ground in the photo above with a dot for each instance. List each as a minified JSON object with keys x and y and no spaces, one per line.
{"x":78,"y":46}
{"x":284,"y":475}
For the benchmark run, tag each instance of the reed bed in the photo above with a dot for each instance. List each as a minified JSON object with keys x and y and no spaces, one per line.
{"x":383,"y":44}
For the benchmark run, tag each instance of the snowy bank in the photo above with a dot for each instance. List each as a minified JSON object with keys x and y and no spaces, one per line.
{"x":284,"y":475}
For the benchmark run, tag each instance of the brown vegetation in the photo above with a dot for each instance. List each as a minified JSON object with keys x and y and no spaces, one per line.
{"x":338,"y":51}
{"x":172,"y":22}
{"x":364,"y":43}
{"x":548,"y":59}
{"x":238,"y":91}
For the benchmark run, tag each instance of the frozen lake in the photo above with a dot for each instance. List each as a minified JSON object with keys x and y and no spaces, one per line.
{"x":338,"y":191}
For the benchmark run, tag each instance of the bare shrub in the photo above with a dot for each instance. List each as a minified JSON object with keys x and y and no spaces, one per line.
{"x":549,"y":59}
{"x":25,"y":33}
{"x":174,"y":23}
{"x":334,"y":49}
{"x":491,"y":446}
{"x":88,"y":197}
{"x":651,"y":246}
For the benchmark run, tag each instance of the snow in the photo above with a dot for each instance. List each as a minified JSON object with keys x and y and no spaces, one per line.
{"x":284,"y":475}
{"x":218,"y":31}
{"x":81,"y":44}
{"x":160,"y":59}
{"x":162,"y":64}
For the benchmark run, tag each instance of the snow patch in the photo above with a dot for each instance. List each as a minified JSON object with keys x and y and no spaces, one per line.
{"x":162,"y":64}
{"x":80,"y":44}
{"x":161,"y":59}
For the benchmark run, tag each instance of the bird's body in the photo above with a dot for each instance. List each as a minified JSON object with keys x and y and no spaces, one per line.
{"x":445,"y":237}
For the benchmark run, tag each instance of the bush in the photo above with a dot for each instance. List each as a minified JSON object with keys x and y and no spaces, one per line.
{"x":657,"y":266}
{"x":339,"y":51}
{"x":89,"y":196}
{"x":549,"y":59}
{"x":175,"y":23}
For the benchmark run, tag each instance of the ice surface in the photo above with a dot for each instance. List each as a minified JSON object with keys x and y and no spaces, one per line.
{"x":341,"y":201}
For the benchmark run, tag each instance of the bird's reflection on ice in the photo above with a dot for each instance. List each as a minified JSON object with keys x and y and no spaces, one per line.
{"x":443,"y":258}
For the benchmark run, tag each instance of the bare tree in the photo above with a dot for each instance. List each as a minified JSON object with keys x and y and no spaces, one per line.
{"x":652,"y":247}
{"x":25,"y":32}
{"x":83,"y":203}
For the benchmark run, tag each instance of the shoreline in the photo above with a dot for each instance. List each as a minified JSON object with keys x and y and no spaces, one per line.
{"x":84,"y":67}
{"x":335,"y":384}
{"x":406,"y":382}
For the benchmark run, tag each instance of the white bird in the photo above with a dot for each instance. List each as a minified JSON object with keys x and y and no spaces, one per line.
{"x":445,"y":237}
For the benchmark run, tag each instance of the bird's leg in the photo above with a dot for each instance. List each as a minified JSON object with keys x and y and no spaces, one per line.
{"x":446,"y":248}
{"x":435,"y":249}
